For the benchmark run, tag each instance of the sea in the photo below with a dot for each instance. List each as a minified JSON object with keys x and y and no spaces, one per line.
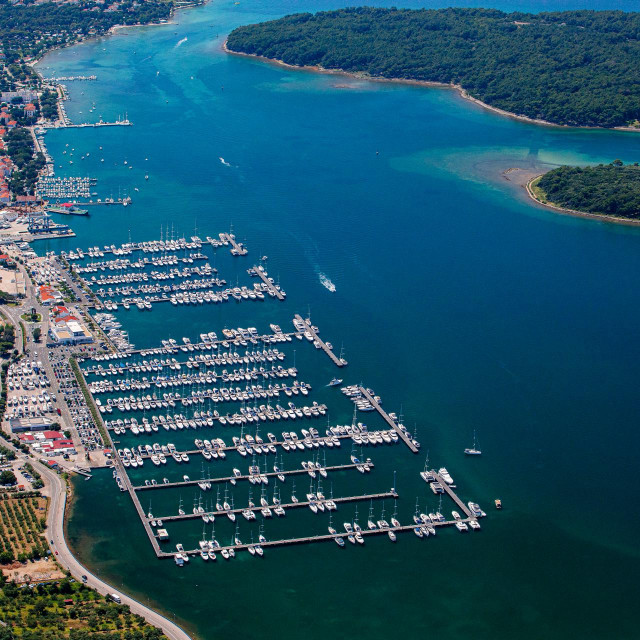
{"x":461,"y":303}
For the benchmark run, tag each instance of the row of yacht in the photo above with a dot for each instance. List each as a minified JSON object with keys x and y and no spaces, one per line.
{"x":153,"y":246}
{"x":221,"y":358}
{"x":243,"y":416}
{"x":137,"y":289}
{"x":227,"y":394}
{"x":204,"y":270}
{"x":124,"y":264}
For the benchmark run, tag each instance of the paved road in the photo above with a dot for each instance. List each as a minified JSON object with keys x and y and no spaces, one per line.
{"x":67,"y":560}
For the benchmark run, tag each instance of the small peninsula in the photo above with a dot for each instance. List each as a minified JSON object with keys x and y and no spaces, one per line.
{"x":575,"y":68}
{"x":609,"y":191}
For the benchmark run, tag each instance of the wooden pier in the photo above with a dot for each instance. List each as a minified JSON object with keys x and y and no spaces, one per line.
{"x":270,"y":474}
{"x":285,"y":506}
{"x":264,"y":276}
{"x":390,"y":421}
{"x":339,"y":362}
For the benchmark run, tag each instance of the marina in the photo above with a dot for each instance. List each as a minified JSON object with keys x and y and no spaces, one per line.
{"x":182,"y":386}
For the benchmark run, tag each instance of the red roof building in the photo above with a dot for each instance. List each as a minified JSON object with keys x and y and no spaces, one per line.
{"x":53,"y":435}
{"x":48,"y":295}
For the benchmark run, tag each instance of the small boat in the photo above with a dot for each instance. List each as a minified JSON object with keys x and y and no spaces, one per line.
{"x":335,"y":382}
{"x":473,"y":451}
{"x":498,"y":503}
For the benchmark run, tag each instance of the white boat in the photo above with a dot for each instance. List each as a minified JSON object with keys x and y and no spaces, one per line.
{"x":473,"y":451}
{"x":445,"y":475}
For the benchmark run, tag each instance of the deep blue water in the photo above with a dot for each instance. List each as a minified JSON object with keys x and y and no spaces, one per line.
{"x":457,"y":300}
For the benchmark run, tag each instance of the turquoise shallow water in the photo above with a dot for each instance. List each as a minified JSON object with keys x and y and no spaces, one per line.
{"x":457,"y":300}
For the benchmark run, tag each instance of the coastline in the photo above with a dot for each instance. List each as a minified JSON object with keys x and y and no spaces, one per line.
{"x":575,"y":213}
{"x":419,"y":83}
{"x":62,"y":493}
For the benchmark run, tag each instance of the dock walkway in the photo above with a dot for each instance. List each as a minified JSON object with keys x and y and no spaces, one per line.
{"x":390,"y":421}
{"x":339,"y":362}
{"x":270,"y":474}
{"x":290,"y":505}
{"x":320,"y":538}
{"x":237,"y":248}
{"x":264,"y":276}
{"x":451,"y":493}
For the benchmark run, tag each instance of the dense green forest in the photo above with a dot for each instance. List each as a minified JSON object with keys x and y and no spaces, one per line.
{"x":29,"y":29}
{"x":612,"y":189}
{"x":572,"y":68}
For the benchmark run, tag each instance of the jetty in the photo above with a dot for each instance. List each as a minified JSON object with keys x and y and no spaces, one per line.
{"x":389,"y":420}
{"x":306,"y":328}
{"x":274,"y":290}
{"x":100,"y":123}
{"x":237,"y":248}
{"x":270,"y":474}
{"x":311,"y":539}
{"x":285,"y":506}
{"x":449,"y":491}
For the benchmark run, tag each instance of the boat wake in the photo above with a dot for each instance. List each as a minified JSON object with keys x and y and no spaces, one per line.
{"x":181,"y":42}
{"x":325,"y":282}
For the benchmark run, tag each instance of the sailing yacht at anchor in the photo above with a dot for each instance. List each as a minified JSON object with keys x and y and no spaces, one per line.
{"x":473,"y":451}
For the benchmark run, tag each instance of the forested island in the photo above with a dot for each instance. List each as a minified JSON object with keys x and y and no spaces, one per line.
{"x":578,"y":68}
{"x":611,"y":190}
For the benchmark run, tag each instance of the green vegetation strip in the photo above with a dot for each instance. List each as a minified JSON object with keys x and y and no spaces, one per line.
{"x":89,"y":400}
{"x":607,"y":190}
{"x":24,"y":336}
{"x":28,"y":317}
{"x":570,"y":67}
{"x":67,"y":610}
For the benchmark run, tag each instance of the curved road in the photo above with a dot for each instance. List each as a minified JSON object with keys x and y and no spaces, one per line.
{"x":55,"y":524}
{"x":55,"y":532}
